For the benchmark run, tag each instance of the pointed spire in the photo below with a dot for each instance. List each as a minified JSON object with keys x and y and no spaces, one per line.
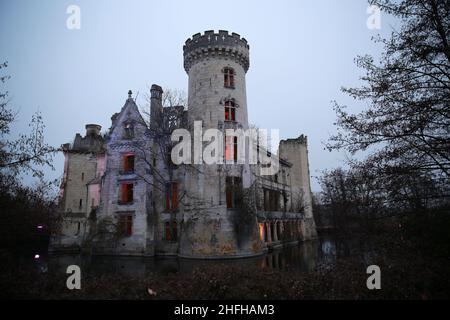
{"x":129,"y":94}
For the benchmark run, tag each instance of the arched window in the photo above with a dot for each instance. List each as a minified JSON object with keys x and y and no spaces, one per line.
{"x":230,"y":111}
{"x":228,"y":78}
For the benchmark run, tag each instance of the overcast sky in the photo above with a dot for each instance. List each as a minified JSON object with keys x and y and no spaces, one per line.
{"x":301,"y":53}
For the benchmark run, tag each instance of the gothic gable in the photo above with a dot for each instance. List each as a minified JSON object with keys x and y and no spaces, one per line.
{"x":128,"y":124}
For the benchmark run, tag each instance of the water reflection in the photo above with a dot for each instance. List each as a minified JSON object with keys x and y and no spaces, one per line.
{"x":302,"y":257}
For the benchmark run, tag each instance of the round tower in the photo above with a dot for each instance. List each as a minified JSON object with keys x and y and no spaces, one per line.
{"x":214,"y":226}
{"x":216,"y":64}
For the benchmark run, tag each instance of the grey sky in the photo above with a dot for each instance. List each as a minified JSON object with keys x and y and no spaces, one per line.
{"x":301,"y":53}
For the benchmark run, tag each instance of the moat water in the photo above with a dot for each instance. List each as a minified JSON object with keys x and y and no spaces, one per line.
{"x":304,"y":256}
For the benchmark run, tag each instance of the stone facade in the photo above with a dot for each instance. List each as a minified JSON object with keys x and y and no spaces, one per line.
{"x":143,"y":204}
{"x":84,"y":166}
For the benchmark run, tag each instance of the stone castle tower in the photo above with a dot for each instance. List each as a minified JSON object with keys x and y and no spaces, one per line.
{"x":216,"y":64}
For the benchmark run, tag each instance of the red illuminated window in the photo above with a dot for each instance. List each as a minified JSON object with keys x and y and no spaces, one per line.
{"x":231,"y":148}
{"x":228,"y":77}
{"x":230,"y":111}
{"x":126,"y":192}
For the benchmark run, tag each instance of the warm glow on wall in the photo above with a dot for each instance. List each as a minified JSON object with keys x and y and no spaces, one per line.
{"x":261,"y":231}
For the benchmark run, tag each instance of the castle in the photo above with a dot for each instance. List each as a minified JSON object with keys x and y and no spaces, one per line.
{"x":122,"y":193}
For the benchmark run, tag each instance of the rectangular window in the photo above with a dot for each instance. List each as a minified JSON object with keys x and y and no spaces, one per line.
{"x":172,"y":196}
{"x":233,"y":190}
{"x":230,"y":113}
{"x":231,"y":148}
{"x":275,"y":201}
{"x":80,"y":206}
{"x":128,"y":131}
{"x":271,"y":200}
{"x":230,"y":110}
{"x":167,"y":232}
{"x":228,"y":79}
{"x":126,"y":193}
{"x":170,"y":231}
{"x":229,"y":192}
{"x":126,"y":225}
{"x":128,"y":163}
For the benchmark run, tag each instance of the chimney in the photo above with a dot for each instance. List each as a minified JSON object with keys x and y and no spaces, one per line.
{"x":156,"y":92}
{"x":93,"y":129}
{"x":156,"y":108}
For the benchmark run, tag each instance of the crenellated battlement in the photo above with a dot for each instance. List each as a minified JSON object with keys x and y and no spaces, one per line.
{"x":220,"y":44}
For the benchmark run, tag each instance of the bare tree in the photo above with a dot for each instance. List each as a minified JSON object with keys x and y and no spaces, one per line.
{"x":105,"y":231}
{"x":299,"y":203}
{"x":160,"y":169}
{"x":27,"y":153}
{"x":408,"y":92}
{"x":23,"y":207}
{"x":170,"y":98}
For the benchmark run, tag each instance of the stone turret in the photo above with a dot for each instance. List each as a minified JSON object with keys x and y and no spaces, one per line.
{"x":217,"y":64}
{"x":92,"y":142}
{"x":93,"y":129}
{"x":207,"y":58}
{"x":216,"y":45}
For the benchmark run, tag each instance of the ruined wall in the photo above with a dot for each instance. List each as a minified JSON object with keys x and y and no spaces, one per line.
{"x":81,"y":168}
{"x":84,"y":162}
{"x":296,"y":152}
